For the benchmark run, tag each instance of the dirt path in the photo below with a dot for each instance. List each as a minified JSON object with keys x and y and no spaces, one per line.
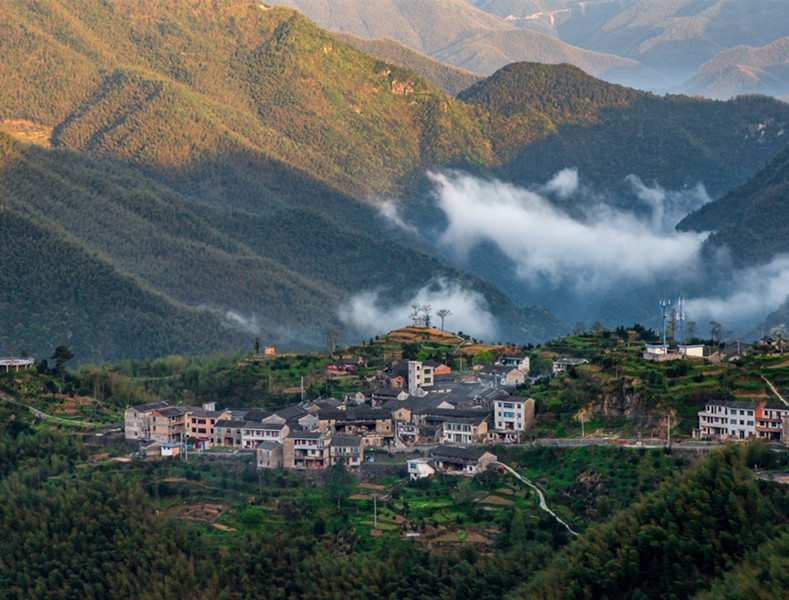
{"x":540,"y":495}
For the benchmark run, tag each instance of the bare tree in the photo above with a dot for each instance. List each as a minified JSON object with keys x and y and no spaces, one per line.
{"x":597,"y":327}
{"x":716,"y":332}
{"x":579,"y":328}
{"x":690,"y":328}
{"x":426,"y":308}
{"x":416,"y":315}
{"x":443,"y":314}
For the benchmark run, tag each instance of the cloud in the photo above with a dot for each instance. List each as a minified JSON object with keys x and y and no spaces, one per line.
{"x":549,"y":246}
{"x":667,"y":207}
{"x":370,"y":315}
{"x":388,"y":210}
{"x":755,"y":293}
{"x":564,"y":184}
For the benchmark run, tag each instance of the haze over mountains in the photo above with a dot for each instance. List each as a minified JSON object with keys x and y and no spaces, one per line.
{"x":716,"y":48}
{"x":186,"y":178}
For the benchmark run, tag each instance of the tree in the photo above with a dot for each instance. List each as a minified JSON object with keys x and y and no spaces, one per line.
{"x":339,"y":483}
{"x":426,"y":308}
{"x":415,"y":315}
{"x":443,"y":314}
{"x":483,"y":357}
{"x":597,"y":327}
{"x":716,"y":332}
{"x":61,"y":356}
{"x":579,"y":328}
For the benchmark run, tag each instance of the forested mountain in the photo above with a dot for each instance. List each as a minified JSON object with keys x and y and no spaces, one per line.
{"x":542,"y":117}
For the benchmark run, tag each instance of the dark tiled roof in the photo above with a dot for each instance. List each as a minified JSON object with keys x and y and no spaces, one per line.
{"x":305,"y":435}
{"x":173,"y":411}
{"x":294,"y":411}
{"x":151,"y":407}
{"x":257,"y":415}
{"x":346,"y":440}
{"x":268,"y":445}
{"x":458,"y":453}
{"x":734,"y":404}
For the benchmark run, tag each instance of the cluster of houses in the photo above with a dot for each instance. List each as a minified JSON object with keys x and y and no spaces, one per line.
{"x":428,"y":408}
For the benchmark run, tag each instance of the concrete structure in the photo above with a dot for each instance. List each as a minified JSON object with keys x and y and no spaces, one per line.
{"x":562,"y":364}
{"x":419,"y":468}
{"x":269,"y":455}
{"x":465,"y":430}
{"x":519,"y":361}
{"x":692,"y":350}
{"x":305,"y":450}
{"x":772,"y":422}
{"x":466,"y":461}
{"x":511,"y":416}
{"x":420,"y":375}
{"x":347,"y":450}
{"x":137,"y":420}
{"x":724,"y":419}
{"x":15,"y":364}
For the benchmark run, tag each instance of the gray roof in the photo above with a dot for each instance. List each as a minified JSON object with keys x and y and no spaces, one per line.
{"x":294,"y":411}
{"x":306,"y":435}
{"x":734,"y":404}
{"x":346,"y":440}
{"x":458,"y":453}
{"x":268,"y":445}
{"x":173,"y":411}
{"x":151,"y":407}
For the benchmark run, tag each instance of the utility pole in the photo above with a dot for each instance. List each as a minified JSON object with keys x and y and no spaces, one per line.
{"x":669,"y":429}
{"x":375,"y":510}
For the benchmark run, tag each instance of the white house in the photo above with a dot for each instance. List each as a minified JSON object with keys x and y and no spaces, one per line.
{"x":728,"y":420}
{"x":419,"y":468}
{"x":511,"y":415}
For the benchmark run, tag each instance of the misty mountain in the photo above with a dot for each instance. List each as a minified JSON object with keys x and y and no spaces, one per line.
{"x":456,"y":33}
{"x":681,"y":46}
{"x":744,"y":70}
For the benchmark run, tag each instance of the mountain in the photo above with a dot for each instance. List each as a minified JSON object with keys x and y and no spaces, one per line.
{"x":676,"y":40}
{"x":547,"y":117}
{"x":450,"y":80}
{"x":744,"y":70}
{"x":456,"y":33}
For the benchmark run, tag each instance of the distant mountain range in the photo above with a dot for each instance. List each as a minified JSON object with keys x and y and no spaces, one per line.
{"x":187,"y":178}
{"x":717,"y":49}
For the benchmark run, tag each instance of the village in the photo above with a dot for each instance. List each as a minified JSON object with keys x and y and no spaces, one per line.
{"x":418,"y":404}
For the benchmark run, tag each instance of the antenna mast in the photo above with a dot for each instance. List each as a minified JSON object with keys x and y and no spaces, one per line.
{"x":681,"y":317}
{"x":664,"y":303}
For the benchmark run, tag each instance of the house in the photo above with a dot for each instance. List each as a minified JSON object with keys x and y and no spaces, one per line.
{"x":252,"y":433}
{"x":168,"y":424}
{"x":500,"y":375}
{"x":511,"y":416}
{"x":465,"y":429}
{"x":268,"y":454}
{"x":692,"y":350}
{"x":347,"y":450}
{"x":200,"y":425}
{"x":725,"y":419}
{"x":519,"y":361}
{"x":372,"y":424}
{"x":772,"y":422}
{"x":305,"y":450}
{"x":458,"y":460}
{"x":419,"y":468}
{"x":562,"y":364}
{"x":137,"y":420}
{"x":228,"y":432}
{"x":381,"y":396}
{"x":420,"y":375}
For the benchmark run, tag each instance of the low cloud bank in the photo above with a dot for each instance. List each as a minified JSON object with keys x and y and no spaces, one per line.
{"x":755,"y":292}
{"x":369,"y":315}
{"x":547,"y":244}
